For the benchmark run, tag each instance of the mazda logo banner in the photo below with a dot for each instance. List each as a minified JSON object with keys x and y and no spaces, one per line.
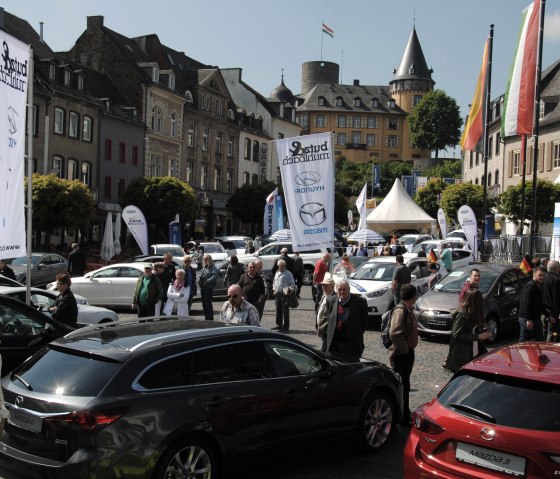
{"x":307,"y":169}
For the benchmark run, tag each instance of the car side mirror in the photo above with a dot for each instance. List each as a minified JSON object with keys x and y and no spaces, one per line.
{"x":413,"y":277}
{"x":41,"y":265}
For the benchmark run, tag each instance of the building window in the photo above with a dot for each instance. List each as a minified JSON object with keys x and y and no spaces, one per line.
{"x":208,"y":102}
{"x":357,"y":102}
{"x":341,"y":121}
{"x":190,"y":135}
{"x":86,"y":129}
{"x":173,"y":125}
{"x":470,"y":159}
{"x":392,"y":123}
{"x":341,"y":139}
{"x":219,"y":143}
{"x":121,"y":186}
{"x":497,"y":177}
{"x":107,"y":187}
{"x":304,"y":120}
{"x":52,"y":72}
{"x":72,"y":170}
{"x":229,"y":181}
{"x":171,"y":83}
{"x":217,"y":179}
{"x":203,"y":177}
{"x":516,"y":157}
{"x":246,"y":178}
{"x":205,"y":132}
{"x":156,"y":119}
{"x":58,"y":166}
{"x":86,"y":173}
{"x":35,"y":123}
{"x":356,"y":122}
{"x":321,"y":101}
{"x":59,"y":121}
{"x":489,"y":179}
{"x":371,"y":140}
{"x":189,"y":173}
{"x":255,"y":151}
{"x":247,"y":149}
{"x":189,"y":96}
{"x":556,"y":155}
{"x":122,"y":152}
{"x":375,"y":103}
{"x":155,"y":75}
{"x":173,"y":168}
{"x":416,"y":99}
{"x":498,"y":140}
{"x":73,"y":124}
{"x":254,"y":179}
{"x":221,"y":107}
{"x":134,"y":155}
{"x":392,"y":141}
{"x":108,"y":149}
{"x":154,"y":166}
{"x":230,"y":144}
{"x":67,"y":78}
{"x":80,"y":83}
{"x":338,"y":101}
{"x":356,"y":137}
{"x":372,"y":122}
{"x":320,"y":121}
{"x":490,"y":147}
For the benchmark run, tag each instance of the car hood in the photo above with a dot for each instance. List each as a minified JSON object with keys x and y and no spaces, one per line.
{"x":367,"y":285}
{"x":439,"y":300}
{"x":19,"y":269}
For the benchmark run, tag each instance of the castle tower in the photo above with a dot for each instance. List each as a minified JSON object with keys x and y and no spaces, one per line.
{"x":316,"y":72}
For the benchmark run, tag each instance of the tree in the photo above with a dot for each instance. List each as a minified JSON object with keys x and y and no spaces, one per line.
{"x":341,"y":207}
{"x":435,"y":123}
{"x":548,"y":193}
{"x":455,"y":196}
{"x":391,"y":170}
{"x":428,"y":197}
{"x":448,"y":169}
{"x":160,"y":199}
{"x":247,"y":202}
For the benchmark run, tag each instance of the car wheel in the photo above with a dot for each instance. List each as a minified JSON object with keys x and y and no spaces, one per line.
{"x":307,"y":276}
{"x":188,"y":458}
{"x":493,"y":327}
{"x":376,"y":422}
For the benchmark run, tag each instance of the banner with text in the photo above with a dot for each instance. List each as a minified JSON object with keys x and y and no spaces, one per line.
{"x":442,"y":222}
{"x":14,"y":69}
{"x":273,"y":218}
{"x":467,"y":220}
{"x":555,"y":248}
{"x":306,"y":166}
{"x":136,"y":223}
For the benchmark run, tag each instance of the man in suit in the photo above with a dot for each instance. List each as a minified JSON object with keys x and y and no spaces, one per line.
{"x":343,"y":323}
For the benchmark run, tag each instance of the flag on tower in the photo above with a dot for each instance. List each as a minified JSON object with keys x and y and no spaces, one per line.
{"x":328,"y":31}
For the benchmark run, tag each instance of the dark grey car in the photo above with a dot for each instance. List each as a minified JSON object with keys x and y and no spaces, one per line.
{"x":44,"y":268}
{"x":500,"y":285}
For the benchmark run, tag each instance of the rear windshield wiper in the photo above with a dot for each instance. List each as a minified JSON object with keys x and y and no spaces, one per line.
{"x":23,"y":381}
{"x":475,"y":412}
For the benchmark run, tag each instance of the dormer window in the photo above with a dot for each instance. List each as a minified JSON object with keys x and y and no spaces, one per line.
{"x":391,"y":104}
{"x":67,"y":77}
{"x":357,"y":101}
{"x":375,"y":103}
{"x":230,"y":114}
{"x":171,"y":83}
{"x":155,"y":75}
{"x":80,"y":83}
{"x":321,"y":101}
{"x":52,"y":72}
{"x":338,"y":101}
{"x":189,"y":96}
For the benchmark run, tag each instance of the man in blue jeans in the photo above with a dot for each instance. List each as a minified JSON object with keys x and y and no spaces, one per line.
{"x":531,"y":307}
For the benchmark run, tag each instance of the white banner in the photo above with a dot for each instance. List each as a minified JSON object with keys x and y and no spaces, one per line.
{"x":136,"y":223}
{"x":442,"y":222}
{"x":362,"y":208}
{"x":306,"y":165}
{"x":555,"y":250}
{"x":13,"y":100}
{"x":269,"y":218}
{"x":467,"y":220}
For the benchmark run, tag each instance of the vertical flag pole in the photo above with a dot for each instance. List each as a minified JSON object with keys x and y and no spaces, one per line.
{"x":322,"y":36}
{"x":29,"y":226}
{"x":524,"y":173}
{"x":536,"y":127}
{"x":487,"y":132}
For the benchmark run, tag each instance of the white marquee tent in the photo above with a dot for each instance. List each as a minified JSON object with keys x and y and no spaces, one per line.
{"x":398,"y":210}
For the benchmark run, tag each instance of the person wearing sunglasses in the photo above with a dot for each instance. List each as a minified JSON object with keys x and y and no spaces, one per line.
{"x":236,"y":310}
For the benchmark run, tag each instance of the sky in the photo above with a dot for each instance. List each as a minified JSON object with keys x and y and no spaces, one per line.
{"x":264,"y":37}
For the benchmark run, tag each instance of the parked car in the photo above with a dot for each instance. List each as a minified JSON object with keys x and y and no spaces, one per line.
{"x":5,"y":281}
{"x":44,"y":268}
{"x":216,"y":251}
{"x":161,"y":249}
{"x":42,"y":300}
{"x":172,"y":396}
{"x":23,"y":331}
{"x":497,"y":417}
{"x":414,"y":239}
{"x":150,"y":258}
{"x":355,"y":260}
{"x":237,"y":243}
{"x":428,"y":245}
{"x":373,"y":280}
{"x":111,"y":285}
{"x":500,"y":286}
{"x":457,"y":234}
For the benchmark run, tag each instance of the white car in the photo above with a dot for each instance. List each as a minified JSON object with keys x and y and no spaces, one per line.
{"x":414,"y":239}
{"x":461,"y":254}
{"x":43,"y":299}
{"x":216,"y":251}
{"x":237,"y":243}
{"x":373,"y":280}
{"x":111,"y":285}
{"x":457,"y":234}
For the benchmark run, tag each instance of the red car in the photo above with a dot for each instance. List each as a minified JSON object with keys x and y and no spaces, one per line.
{"x":498,"y":417}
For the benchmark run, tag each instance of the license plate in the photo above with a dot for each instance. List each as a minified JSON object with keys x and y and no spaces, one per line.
{"x":491,"y":459}
{"x":437,"y":322}
{"x":25,"y":421}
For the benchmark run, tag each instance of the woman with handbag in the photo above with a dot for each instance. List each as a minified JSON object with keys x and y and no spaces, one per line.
{"x":468,"y":331}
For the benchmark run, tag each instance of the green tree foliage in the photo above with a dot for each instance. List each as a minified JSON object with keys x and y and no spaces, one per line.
{"x":448,"y":169}
{"x":59,"y":203}
{"x":427,"y":197}
{"x":548,"y":193}
{"x":455,"y":196}
{"x":247,"y":202}
{"x":350,"y":177}
{"x":391,"y":170}
{"x":160,"y":199}
{"x":341,"y":207}
{"x":435,"y":123}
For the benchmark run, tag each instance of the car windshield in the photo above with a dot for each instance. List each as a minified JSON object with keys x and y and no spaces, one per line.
{"x":426,"y":247}
{"x":23,"y":260}
{"x":377,"y":271}
{"x":454,"y":281}
{"x":407,"y":239}
{"x":213,"y":248}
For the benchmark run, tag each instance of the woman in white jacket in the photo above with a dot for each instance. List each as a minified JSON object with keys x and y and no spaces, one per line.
{"x":177,"y":296}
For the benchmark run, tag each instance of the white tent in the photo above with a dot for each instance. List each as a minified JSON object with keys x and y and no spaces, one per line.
{"x":398,"y":210}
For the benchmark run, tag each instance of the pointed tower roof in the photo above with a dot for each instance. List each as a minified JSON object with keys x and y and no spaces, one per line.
{"x":413,"y":64}
{"x":282,"y":93}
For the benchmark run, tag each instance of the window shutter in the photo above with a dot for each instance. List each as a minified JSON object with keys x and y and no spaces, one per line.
{"x":541,"y":158}
{"x":550,"y":163}
{"x":510,"y":164}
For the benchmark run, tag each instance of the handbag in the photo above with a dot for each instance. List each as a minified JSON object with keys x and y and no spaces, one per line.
{"x":292,"y":299}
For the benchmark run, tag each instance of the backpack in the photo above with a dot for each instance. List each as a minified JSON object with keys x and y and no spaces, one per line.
{"x":385,"y":326}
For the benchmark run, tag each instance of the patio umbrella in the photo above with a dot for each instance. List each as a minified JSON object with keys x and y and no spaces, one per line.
{"x":117,"y":242}
{"x":108,"y":244}
{"x":367,"y":235}
{"x":281,"y":235}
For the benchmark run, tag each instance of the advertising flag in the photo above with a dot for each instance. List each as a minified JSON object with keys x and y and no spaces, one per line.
{"x":362,"y":208}
{"x":555,"y":247}
{"x":467,"y":220}
{"x":269,"y":218}
{"x":14,"y":79}
{"x":175,"y":234}
{"x":377,"y":176}
{"x":328,"y":31}
{"x":136,"y":223}
{"x":517,"y":117}
{"x":306,"y":166}
{"x":473,"y":133}
{"x":442,"y":222}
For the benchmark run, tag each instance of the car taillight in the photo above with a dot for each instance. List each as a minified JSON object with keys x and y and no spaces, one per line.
{"x":89,"y":421}
{"x":421,"y":422}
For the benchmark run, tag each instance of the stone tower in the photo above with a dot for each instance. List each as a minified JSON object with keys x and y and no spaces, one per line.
{"x":316,"y":72}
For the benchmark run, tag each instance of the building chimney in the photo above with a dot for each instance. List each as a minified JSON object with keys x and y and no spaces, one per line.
{"x":356,"y":82}
{"x":41,"y":32}
{"x":95,"y":21}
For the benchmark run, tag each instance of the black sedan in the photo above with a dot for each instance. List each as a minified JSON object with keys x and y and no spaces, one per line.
{"x":23,"y":331}
{"x":500,"y":286}
{"x":175,"y":397}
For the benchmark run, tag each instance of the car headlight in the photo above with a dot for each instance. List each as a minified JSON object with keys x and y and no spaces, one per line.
{"x":376,"y":294}
{"x":430,"y":312}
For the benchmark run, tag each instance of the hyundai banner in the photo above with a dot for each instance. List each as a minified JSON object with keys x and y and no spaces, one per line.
{"x":306,"y":166}
{"x":136,"y":223}
{"x":14,"y":74}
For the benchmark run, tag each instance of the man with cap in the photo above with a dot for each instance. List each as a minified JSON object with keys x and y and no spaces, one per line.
{"x":328,"y":290}
{"x":147,"y":293}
